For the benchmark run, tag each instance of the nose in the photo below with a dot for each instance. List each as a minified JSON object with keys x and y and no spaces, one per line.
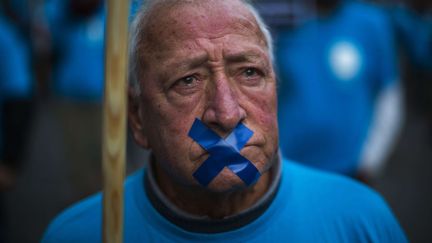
{"x":223,"y":111}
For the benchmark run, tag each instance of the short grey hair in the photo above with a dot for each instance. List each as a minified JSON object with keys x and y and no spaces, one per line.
{"x":136,"y":36}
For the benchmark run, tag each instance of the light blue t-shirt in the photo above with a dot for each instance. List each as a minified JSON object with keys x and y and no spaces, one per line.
{"x":331,"y":71}
{"x":309,"y":206}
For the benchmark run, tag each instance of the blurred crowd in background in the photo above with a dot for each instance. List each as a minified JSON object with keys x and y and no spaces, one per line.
{"x":355,"y":97}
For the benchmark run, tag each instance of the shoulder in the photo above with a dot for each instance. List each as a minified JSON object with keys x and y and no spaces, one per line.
{"x":339,"y":204}
{"x":80,"y":221}
{"x":310,"y":182}
{"x":329,"y":189}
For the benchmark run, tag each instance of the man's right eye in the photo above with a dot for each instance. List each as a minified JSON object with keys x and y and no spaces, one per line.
{"x":187,"y":85}
{"x":187,"y":81}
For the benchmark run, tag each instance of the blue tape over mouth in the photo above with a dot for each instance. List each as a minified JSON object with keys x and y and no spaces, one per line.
{"x":223,"y":153}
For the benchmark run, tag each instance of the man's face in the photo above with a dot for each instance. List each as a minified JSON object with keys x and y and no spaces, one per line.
{"x":208,"y":62}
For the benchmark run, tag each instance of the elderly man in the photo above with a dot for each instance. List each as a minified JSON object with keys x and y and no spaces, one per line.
{"x":203,"y":100}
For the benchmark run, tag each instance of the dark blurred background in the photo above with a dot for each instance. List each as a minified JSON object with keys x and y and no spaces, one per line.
{"x":51,"y":88}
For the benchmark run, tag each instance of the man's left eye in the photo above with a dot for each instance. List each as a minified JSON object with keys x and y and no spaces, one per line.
{"x":188,"y":81}
{"x":251,"y":76}
{"x":250,"y":72}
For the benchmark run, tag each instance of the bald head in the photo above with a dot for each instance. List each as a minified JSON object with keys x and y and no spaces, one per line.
{"x":161,"y":22}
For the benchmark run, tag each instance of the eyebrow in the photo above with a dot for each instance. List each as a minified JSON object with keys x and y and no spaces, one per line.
{"x":190,"y":63}
{"x":243,"y":57}
{"x":200,"y":60}
{"x":184,"y":65}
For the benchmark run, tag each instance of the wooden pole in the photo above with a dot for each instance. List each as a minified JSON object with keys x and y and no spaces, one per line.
{"x":114,"y":119}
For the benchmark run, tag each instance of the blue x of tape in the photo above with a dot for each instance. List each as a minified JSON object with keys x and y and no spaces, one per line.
{"x":223,"y":153}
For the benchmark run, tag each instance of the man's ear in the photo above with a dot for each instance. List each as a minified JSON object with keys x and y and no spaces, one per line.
{"x":136,"y":119}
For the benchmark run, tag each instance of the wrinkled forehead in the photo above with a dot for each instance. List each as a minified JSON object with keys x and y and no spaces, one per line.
{"x":180,"y":20}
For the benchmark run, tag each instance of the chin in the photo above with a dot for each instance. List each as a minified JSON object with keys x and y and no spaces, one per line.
{"x":225,"y":182}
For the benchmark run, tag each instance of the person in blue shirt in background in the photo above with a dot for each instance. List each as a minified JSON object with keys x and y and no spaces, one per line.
{"x":77,"y":30}
{"x":340,"y":103}
{"x":77,"y":36}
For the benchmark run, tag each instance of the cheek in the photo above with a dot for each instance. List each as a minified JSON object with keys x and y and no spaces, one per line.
{"x":169,"y":119}
{"x":174,"y":115}
{"x":263,"y":108}
{"x":170,"y":144}
{"x":262,"y":114}
{"x":183,"y":104}
{"x":168,"y":126}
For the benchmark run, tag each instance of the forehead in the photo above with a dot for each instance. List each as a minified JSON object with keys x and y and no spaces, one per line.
{"x":169,"y":26}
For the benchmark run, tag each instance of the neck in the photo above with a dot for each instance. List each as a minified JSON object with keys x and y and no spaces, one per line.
{"x":215,"y":205}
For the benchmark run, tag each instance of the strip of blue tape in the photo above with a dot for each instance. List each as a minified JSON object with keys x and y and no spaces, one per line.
{"x":223,"y":153}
